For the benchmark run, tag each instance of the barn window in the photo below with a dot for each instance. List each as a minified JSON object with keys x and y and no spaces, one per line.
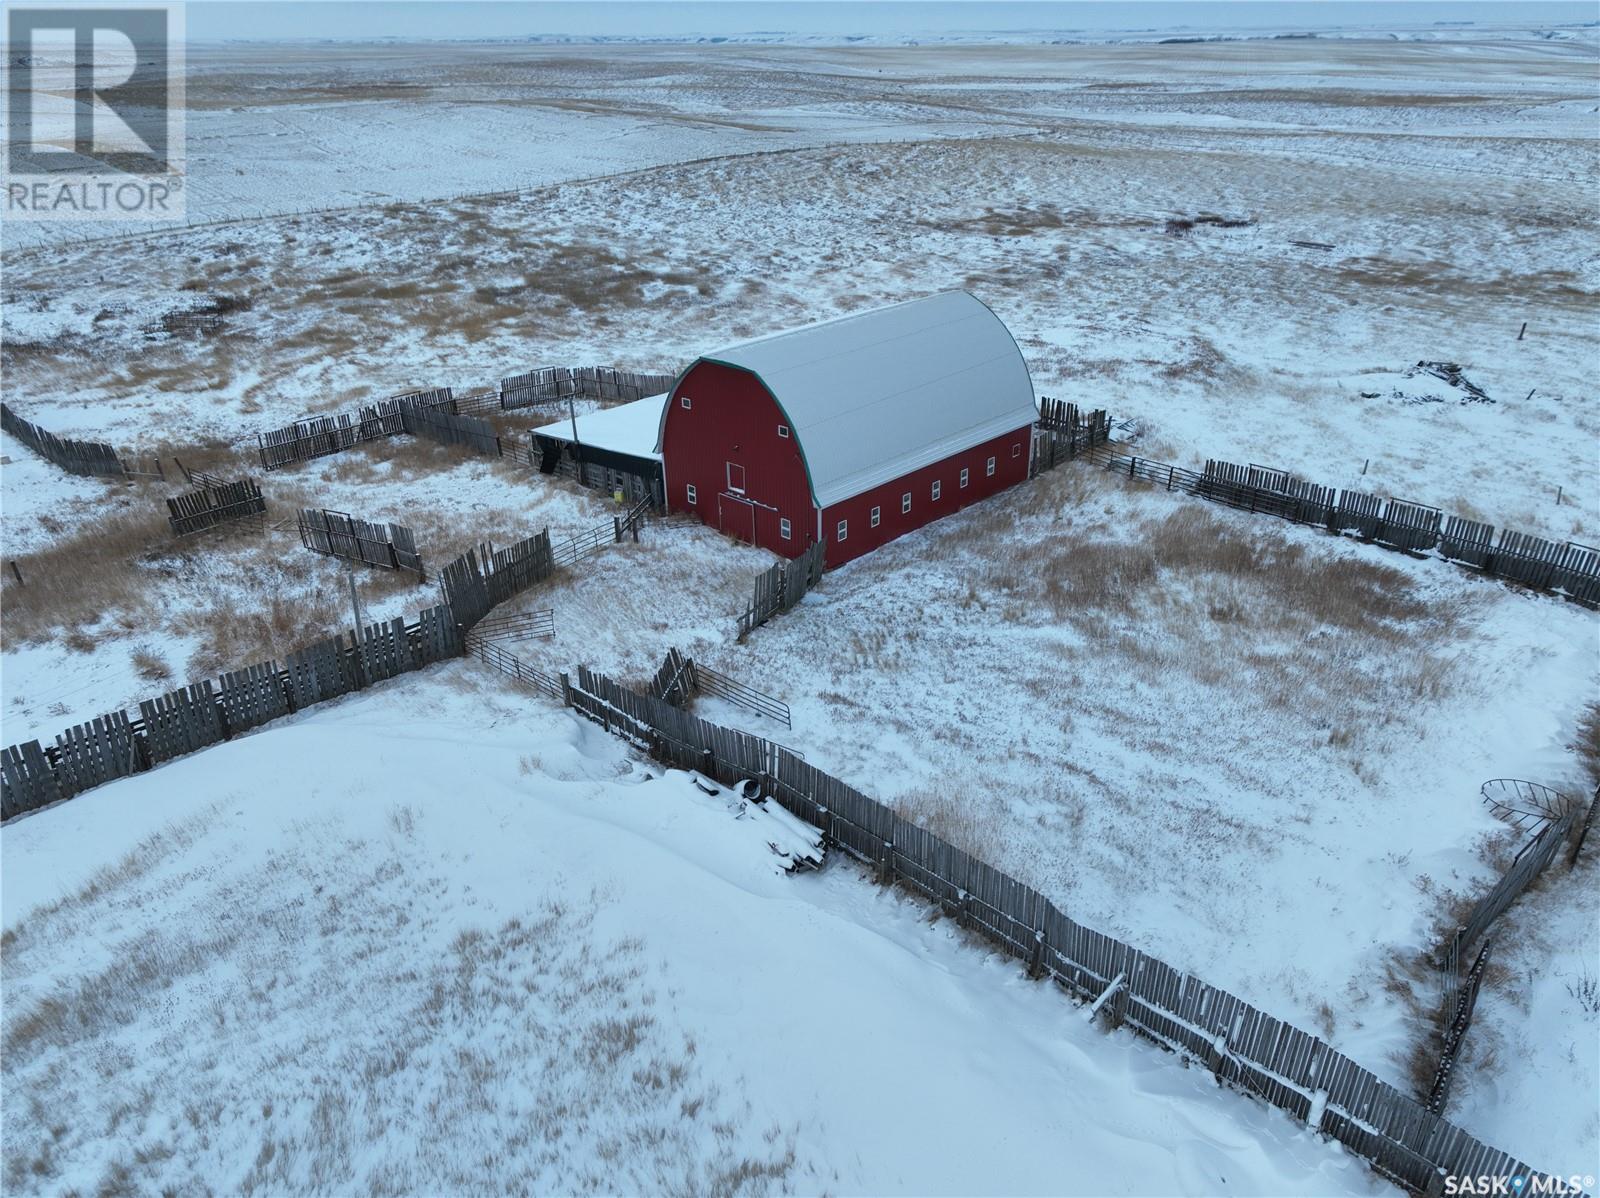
{"x":783,"y":529}
{"x":963,"y":477}
{"x":689,"y":491}
{"x":905,"y":503}
{"x":990,"y":469}
{"x":937,"y":487}
{"x":684,"y":400}
{"x":1016,"y":450}
{"x":844,"y":530}
{"x":783,"y":430}
{"x":876,"y":517}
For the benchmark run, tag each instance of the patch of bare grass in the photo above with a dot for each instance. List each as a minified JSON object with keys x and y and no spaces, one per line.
{"x":957,"y":815}
{"x":75,"y":582}
{"x":150,"y":665}
{"x":1586,"y":744}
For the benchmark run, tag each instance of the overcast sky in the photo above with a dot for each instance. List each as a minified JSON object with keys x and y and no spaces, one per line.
{"x":208,"y":19}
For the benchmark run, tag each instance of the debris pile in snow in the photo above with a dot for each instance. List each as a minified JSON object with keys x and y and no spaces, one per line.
{"x":1457,"y":386}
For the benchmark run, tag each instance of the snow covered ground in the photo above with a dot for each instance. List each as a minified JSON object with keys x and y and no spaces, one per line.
{"x":1261,"y":764}
{"x":436,"y":938}
{"x":1453,"y":181}
{"x":1201,"y":752}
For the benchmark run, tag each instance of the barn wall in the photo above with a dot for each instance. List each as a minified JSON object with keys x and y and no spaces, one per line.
{"x":732,"y":418}
{"x":1010,"y":453}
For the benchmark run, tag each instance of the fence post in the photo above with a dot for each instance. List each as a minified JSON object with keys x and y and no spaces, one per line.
{"x":616,"y":530}
{"x":566,"y":689}
{"x":1217,"y":1055}
{"x":1036,"y":965}
{"x":886,"y":864}
{"x":1583,"y":828}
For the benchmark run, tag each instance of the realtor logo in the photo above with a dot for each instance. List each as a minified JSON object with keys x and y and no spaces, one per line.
{"x":94,"y":113}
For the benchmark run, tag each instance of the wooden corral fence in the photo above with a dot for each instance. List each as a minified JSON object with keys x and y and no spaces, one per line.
{"x":681,"y":677}
{"x":1523,"y":804}
{"x":192,"y":717}
{"x":75,"y":457}
{"x":1063,"y":432}
{"x":1530,"y":862}
{"x":1462,"y":1000}
{"x":436,"y":424}
{"x":320,"y":436}
{"x":550,"y":383}
{"x":674,"y":682}
{"x":780,"y":587}
{"x":1243,"y":1046}
{"x":113,"y":745}
{"x":387,"y":546}
{"x":211,"y":506}
{"x":1570,"y":570}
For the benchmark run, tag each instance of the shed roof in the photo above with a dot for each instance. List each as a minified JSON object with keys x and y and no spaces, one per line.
{"x":879,"y":394}
{"x":628,"y":428}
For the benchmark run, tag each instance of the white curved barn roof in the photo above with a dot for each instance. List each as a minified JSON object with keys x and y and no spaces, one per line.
{"x":878,"y":394}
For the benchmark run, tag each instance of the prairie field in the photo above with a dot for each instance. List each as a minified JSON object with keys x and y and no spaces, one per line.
{"x":1252,"y":749}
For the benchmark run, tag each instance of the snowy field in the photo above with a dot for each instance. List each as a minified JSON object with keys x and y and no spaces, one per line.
{"x":484,"y":951}
{"x":1250,"y":749}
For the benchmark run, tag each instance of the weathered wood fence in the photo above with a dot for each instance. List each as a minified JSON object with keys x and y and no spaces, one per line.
{"x":1530,"y":862}
{"x":75,"y":457}
{"x":419,"y":412}
{"x":212,"y":505}
{"x":445,"y":427}
{"x":192,"y":717}
{"x":681,"y":677}
{"x":1457,"y":1019}
{"x":1243,"y":1046}
{"x":550,"y":383}
{"x":1063,"y":432}
{"x":1567,"y":569}
{"x":780,"y":587}
{"x":1524,"y":804}
{"x":481,"y":579}
{"x":320,"y":436}
{"x":387,"y":546}
{"x":113,"y":745}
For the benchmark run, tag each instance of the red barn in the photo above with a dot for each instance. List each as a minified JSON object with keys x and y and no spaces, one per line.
{"x":853,"y":431}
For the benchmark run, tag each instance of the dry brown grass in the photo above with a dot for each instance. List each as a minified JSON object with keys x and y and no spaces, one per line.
{"x":957,"y":816}
{"x":150,"y":665}
{"x":1248,"y":577}
{"x":80,"y":579}
{"x":1586,"y":744}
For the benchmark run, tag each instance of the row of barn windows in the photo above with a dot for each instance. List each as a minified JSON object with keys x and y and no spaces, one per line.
{"x":786,"y":531}
{"x":842,"y":533}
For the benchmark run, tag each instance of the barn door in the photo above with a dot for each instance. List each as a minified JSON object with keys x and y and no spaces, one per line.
{"x":736,"y":517}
